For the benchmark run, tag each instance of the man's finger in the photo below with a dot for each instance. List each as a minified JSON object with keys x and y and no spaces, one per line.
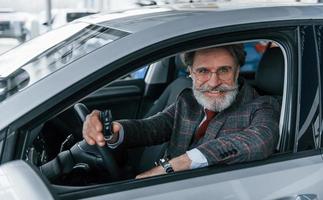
{"x":89,"y":140}
{"x":116,"y":127}
{"x":94,"y":120}
{"x":99,"y":137}
{"x":101,"y":144}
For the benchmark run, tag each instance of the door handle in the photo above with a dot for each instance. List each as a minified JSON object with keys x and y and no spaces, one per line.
{"x":300,"y":197}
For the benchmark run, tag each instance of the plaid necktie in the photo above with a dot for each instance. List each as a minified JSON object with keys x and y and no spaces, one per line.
{"x":202,"y":129}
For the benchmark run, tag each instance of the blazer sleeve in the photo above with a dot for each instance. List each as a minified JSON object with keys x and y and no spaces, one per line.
{"x":255,"y":142}
{"x":150,"y":131}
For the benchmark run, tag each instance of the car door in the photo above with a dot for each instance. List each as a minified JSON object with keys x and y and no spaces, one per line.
{"x":294,"y":172}
{"x":291,"y":172}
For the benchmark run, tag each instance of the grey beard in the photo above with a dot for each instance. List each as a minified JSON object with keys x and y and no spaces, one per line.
{"x":216,"y":104}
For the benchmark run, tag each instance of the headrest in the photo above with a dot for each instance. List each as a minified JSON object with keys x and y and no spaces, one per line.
{"x":181,"y":67}
{"x":270,"y":72}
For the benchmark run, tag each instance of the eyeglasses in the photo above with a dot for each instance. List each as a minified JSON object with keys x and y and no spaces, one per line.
{"x":202,"y":74}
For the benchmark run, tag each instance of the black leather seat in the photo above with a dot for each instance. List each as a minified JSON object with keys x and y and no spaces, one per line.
{"x":173,"y":89}
{"x":169,"y":95}
{"x":149,"y":155}
{"x":270,"y":73}
{"x":270,"y":76}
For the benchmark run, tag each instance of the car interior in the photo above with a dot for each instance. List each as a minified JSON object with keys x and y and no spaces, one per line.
{"x":134,"y":98}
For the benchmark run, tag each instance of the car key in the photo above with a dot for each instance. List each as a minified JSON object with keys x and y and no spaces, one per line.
{"x":106,"y":120}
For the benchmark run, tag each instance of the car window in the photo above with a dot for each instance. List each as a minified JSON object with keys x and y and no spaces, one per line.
{"x":43,"y":140}
{"x":35,"y":47}
{"x":77,"y":44}
{"x":83,"y":42}
{"x":55,"y":136}
{"x":254,"y":51}
{"x":138,"y":74}
{"x":318,"y":135}
{"x":308,"y":135}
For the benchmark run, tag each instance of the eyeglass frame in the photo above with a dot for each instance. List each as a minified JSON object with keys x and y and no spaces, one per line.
{"x":210,"y":73}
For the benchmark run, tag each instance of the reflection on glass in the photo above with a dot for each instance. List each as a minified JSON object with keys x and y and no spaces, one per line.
{"x":80,"y":44}
{"x":54,"y":58}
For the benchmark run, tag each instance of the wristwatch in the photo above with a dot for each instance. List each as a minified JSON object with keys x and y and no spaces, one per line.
{"x":166,"y":165}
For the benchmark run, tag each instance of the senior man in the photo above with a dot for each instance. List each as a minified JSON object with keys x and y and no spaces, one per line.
{"x":219,"y":120}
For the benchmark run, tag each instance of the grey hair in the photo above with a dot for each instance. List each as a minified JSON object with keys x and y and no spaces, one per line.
{"x":236,"y":50}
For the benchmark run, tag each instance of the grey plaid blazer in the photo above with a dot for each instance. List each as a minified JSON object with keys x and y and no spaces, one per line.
{"x":247,"y":130}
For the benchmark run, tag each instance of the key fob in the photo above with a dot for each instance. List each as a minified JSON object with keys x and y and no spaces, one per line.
{"x":106,"y":120}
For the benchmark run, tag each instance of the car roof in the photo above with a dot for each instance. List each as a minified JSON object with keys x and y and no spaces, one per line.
{"x":224,"y":14}
{"x":191,"y":15}
{"x":138,"y":19}
{"x":144,"y":35}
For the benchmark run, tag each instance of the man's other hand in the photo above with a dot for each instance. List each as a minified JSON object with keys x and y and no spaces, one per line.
{"x":180,"y":163}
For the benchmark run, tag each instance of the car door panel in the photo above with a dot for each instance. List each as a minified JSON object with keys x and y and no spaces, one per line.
{"x":122,"y":97}
{"x":280,"y":180}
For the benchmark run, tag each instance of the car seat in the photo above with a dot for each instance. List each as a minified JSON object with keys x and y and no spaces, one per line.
{"x":149,"y":155}
{"x":269,"y":79}
{"x":172,"y":90}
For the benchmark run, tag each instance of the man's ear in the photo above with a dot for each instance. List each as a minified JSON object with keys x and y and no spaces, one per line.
{"x":237,"y":73}
{"x":189,"y":70}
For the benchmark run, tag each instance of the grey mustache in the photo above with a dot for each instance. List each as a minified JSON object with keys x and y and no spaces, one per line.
{"x":218,"y":89}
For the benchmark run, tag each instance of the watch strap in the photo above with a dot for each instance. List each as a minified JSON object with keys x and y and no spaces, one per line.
{"x":166,"y":165}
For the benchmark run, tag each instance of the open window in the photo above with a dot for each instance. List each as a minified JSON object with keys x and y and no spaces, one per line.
{"x":61,"y":132}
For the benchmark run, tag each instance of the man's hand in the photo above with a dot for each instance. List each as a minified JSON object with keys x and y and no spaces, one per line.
{"x":180,"y":163}
{"x":152,"y":172}
{"x":93,"y":130}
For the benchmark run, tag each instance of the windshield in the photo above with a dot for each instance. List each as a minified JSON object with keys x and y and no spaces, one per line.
{"x":42,"y":56}
{"x":17,"y":57}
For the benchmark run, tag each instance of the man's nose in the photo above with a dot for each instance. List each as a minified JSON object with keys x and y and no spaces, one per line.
{"x":214,"y":80}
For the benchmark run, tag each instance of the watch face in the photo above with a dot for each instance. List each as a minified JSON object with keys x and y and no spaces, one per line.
{"x":168,"y":168}
{"x":167,"y":165}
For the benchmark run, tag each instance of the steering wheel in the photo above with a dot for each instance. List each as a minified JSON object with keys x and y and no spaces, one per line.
{"x":108,"y":159}
{"x":81,"y":152}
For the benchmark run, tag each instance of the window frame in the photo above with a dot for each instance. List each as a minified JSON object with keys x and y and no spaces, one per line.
{"x":289,"y":47}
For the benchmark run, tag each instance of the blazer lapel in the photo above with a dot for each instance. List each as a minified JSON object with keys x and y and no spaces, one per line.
{"x":214,"y":127}
{"x":192,"y":122}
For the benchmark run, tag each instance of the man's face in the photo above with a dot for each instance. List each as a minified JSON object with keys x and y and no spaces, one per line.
{"x":214,"y":73}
